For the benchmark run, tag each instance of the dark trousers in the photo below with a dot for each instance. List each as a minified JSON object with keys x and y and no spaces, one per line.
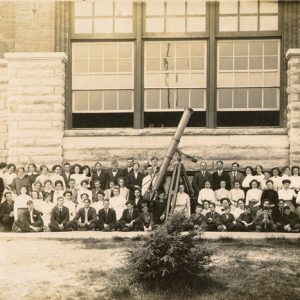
{"x":91,"y":226}
{"x":242,"y":227}
{"x":121,"y":225}
{"x":24,"y":226}
{"x":111,"y":226}
{"x":7,"y":223}
{"x":69,"y":226}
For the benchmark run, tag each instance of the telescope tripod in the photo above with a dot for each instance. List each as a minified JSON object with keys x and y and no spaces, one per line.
{"x":178,"y":176}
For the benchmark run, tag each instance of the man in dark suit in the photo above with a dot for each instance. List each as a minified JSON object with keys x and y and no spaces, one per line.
{"x":134,"y":180}
{"x":130,"y":218}
{"x":200,"y":178}
{"x":106,"y":217}
{"x":145,"y":221}
{"x":270,"y":194}
{"x":290,"y":221}
{"x":219,"y":175}
{"x":227,"y":220}
{"x":66,"y":174}
{"x":114,"y":173}
{"x":277,"y":214}
{"x":198,"y":218}
{"x":235,"y":175}
{"x":1,"y":188}
{"x":86,"y":217}
{"x":212,"y":218}
{"x":158,"y":208}
{"x":29,"y":220}
{"x":99,"y":175}
{"x":245,"y":221}
{"x":96,"y":190}
{"x":138,"y":199}
{"x":60,"y":217}
{"x":129,"y":168}
{"x":7,"y":212}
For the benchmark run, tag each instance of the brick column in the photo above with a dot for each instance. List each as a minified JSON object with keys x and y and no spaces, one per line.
{"x":3,"y":109}
{"x":293,"y":107}
{"x":36,"y":107}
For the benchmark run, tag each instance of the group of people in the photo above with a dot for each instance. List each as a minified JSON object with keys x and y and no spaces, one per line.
{"x":80,"y":198}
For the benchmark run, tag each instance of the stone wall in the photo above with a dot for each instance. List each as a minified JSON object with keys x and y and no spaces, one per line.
{"x":293,"y":107}
{"x":35,"y":107}
{"x":269,"y":147}
{"x":3,"y":109}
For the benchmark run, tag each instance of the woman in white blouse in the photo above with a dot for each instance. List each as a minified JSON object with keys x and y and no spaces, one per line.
{"x":206,"y":194}
{"x":253,"y":196}
{"x":46,"y":209}
{"x":117,"y":202}
{"x":124,"y":191}
{"x":248,"y":178}
{"x":44,"y":175}
{"x":77,"y":176}
{"x":183,"y":204}
{"x":236,"y":194}
{"x":221,"y":193}
{"x":259,"y":173}
{"x":9,"y":176}
{"x":287,"y":194}
{"x":21,"y":202}
{"x":295,"y":179}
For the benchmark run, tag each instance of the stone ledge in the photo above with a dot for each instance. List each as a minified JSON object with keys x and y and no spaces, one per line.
{"x":292,"y":52}
{"x":23,"y":56}
{"x":171,"y":131}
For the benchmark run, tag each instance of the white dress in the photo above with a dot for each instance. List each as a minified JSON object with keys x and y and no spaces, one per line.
{"x":42,"y":178}
{"x":235,"y":195}
{"x":97,"y":205}
{"x":20,"y":202}
{"x":118,"y":203}
{"x":247,"y":180}
{"x":206,"y":194}
{"x":182,"y":204}
{"x":124,"y":191}
{"x":295,"y":182}
{"x":46,"y":211}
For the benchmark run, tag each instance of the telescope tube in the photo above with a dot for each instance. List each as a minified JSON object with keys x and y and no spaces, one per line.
{"x":173,"y":146}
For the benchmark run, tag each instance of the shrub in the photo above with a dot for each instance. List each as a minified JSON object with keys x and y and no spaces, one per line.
{"x":168,"y":258}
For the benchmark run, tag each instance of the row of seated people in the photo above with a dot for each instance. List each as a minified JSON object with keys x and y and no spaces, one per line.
{"x":143,"y":215}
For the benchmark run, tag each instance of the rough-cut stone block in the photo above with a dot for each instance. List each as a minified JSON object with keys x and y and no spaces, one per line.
{"x":35,"y":124}
{"x":41,"y":108}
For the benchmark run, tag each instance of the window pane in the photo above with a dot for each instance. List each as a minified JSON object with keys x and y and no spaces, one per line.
{"x":182,"y":64}
{"x":182,"y":99}
{"x":175,"y":8}
{"x":103,"y":25}
{"x":83,"y":26}
{"x":255,"y":98}
{"x":125,"y":50}
{"x":228,"y":7}
{"x":241,"y":63}
{"x":241,"y":48}
{"x":197,"y":64}
{"x":110,"y":100}
{"x":268,"y":23}
{"x":175,"y":25}
{"x":248,"y":23}
{"x":110,"y":65}
{"x":167,"y":99}
{"x":225,"y":98}
{"x":255,"y":63}
{"x":95,"y":65}
{"x":228,"y":24}
{"x":123,"y":25}
{"x":103,"y":8}
{"x":226,"y":63}
{"x":270,"y":98}
{"x":270,"y":62}
{"x":152,"y":99}
{"x":241,"y":79}
{"x":110,"y":50}
{"x":255,"y":79}
{"x":125,"y":100}
{"x":182,"y":50}
{"x":240,"y":98}
{"x":96,"y":50}
{"x":155,"y":25}
{"x":197,"y":98}
{"x":271,"y":79}
{"x":81,"y":66}
{"x":271,"y":48}
{"x":197,"y":49}
{"x":269,"y":6}
{"x":80,"y":51}
{"x":249,"y":7}
{"x":155,"y":7}
{"x":80,"y":101}
{"x":196,"y":24}
{"x":83,"y":9}
{"x":123,"y":7}
{"x":256,"y":48}
{"x":153,"y":64}
{"x":225,"y":48}
{"x":125,"y":65}
{"x":95,"y":100}
{"x":168,"y":64}
{"x":196,"y":7}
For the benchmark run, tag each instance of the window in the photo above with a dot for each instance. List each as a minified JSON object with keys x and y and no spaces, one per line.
{"x":175,"y":77}
{"x":103,"y":17}
{"x":243,"y":15}
{"x":175,"y":16}
{"x":103,"y":78}
{"x":248,"y":77}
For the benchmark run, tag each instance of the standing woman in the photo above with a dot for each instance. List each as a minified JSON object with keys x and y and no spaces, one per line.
{"x":31,"y":173}
{"x":86,"y":174}
{"x":21,"y":202}
{"x":295,"y":179}
{"x":183,"y":202}
{"x":77,"y":176}
{"x":206,"y":194}
{"x":9,"y":176}
{"x":48,"y":189}
{"x":124,"y":191}
{"x":253,"y":196}
{"x":259,"y":176}
{"x":286,"y":172}
{"x":287,"y":194}
{"x":45,"y":175}
{"x":117,"y":202}
{"x":248,"y":178}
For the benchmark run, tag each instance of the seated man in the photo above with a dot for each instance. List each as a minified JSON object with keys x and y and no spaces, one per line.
{"x":60,"y":217}
{"x":212,"y":218}
{"x":290,"y":221}
{"x":245,"y":221}
{"x":264,"y":221}
{"x":277,"y":214}
{"x":158,"y":208}
{"x":7,"y":212}
{"x":138,"y":199}
{"x":107,"y":217}
{"x":29,"y":220}
{"x":146,"y":218}
{"x":265,"y":206}
{"x":227,"y":220}
{"x":198,"y":219}
{"x":86,"y":217}
{"x":129,"y":218}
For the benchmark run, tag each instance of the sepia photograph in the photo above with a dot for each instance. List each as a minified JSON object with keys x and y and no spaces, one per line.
{"x":149,"y":149}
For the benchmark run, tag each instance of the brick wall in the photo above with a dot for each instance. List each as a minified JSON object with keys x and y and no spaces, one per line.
{"x":35,"y":107}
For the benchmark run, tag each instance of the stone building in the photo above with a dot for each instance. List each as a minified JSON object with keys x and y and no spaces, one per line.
{"x":91,"y":80}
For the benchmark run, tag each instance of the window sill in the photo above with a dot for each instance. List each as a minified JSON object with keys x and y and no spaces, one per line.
{"x":171,"y":131}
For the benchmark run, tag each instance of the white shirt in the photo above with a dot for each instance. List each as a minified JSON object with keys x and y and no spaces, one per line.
{"x":206,"y":194}
{"x":78,"y":178}
{"x":182,"y":204}
{"x":72,"y":208}
{"x":286,"y":195}
{"x":237,"y":212}
{"x":147,"y":182}
{"x":38,"y":204}
{"x":54,"y":177}
{"x":46,"y":209}
{"x":221,"y":193}
{"x":295,"y":182}
{"x":20,"y":202}
{"x":118,"y":204}
{"x":8,"y":178}
{"x":235,"y":195}
{"x":277,"y":182}
{"x":253,"y":195}
{"x":247,"y":180}
{"x":84,"y":191}
{"x":42,"y":178}
{"x":97,"y":205}
{"x":124,"y":191}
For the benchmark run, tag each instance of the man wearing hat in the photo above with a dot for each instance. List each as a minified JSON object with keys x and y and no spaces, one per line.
{"x":129,"y":219}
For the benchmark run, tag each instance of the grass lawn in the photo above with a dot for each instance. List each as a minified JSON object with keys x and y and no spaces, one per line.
{"x":92,"y":269}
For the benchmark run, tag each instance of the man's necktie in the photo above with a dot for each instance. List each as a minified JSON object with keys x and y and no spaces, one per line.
{"x":233,"y":176}
{"x":60,"y":215}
